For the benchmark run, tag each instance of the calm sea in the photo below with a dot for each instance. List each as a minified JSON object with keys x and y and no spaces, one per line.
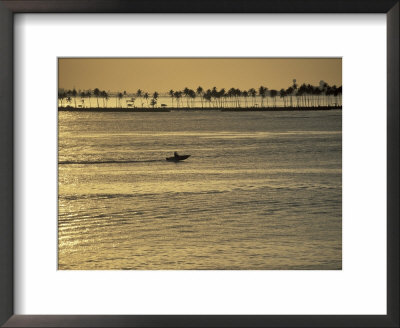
{"x":261,"y":190}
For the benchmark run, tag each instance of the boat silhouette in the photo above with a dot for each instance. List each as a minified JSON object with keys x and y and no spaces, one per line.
{"x":177,"y":158}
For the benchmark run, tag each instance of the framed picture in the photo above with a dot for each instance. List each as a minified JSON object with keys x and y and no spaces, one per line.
{"x":190,"y":169}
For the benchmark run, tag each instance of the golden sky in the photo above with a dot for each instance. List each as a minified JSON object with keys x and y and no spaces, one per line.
{"x":163,"y":74}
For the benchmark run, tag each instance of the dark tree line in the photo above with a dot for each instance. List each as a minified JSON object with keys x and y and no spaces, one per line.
{"x":303,"y":96}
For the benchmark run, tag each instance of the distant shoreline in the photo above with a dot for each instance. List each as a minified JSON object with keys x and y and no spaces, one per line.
{"x":164,"y":110}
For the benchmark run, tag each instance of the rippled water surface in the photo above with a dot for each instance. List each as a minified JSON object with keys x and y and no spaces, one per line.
{"x":261,"y":190}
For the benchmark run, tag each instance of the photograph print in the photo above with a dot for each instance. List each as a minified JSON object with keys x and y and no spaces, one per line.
{"x":199,"y":163}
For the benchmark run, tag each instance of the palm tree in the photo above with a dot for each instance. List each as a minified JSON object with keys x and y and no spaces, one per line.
{"x":83,"y":95}
{"x":171,"y":93}
{"x":61,"y":96}
{"x":302,"y":92}
{"x":245,"y":94}
{"x":282,"y":94}
{"x":104,"y":95}
{"x":208,"y":96}
{"x":192,"y":96}
{"x":298,"y":98}
{"x":289,"y":91}
{"x":217,"y":96}
{"x":294,"y":86}
{"x":153,"y":102}
{"x":310,"y":92}
{"x":120,"y":96}
{"x":329,"y":92}
{"x":253,"y":93}
{"x":89,"y":95}
{"x":266,"y":95}
{"x":96,"y":92}
{"x":262,"y":91}
{"x":177,"y":100}
{"x":226,"y":99}
{"x":74,"y":93}
{"x":339,"y":95}
{"x":146,"y":96}
{"x":238,"y":94}
{"x":155,"y":97}
{"x":69,"y":100}
{"x":323,"y":86}
{"x":139,"y":94}
{"x":221,"y":96}
{"x":199,"y":92}
{"x":273,"y":94}
{"x":316,"y":93}
{"x":178,"y":96}
{"x":186,"y":92}
{"x":231,"y":94}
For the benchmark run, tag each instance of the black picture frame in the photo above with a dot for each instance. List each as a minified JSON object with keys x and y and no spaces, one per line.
{"x":10,"y":7}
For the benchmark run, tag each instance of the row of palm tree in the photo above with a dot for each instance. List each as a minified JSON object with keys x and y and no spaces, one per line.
{"x":70,"y":95}
{"x":305,"y":95}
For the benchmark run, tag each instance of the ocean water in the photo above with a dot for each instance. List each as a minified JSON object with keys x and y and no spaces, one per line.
{"x":261,"y":190}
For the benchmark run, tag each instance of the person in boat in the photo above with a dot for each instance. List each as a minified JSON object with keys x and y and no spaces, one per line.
{"x":176,"y":154}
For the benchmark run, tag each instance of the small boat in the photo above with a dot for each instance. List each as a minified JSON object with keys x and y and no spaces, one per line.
{"x":177,"y":158}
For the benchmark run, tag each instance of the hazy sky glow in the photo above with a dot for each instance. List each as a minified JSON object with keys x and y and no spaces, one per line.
{"x":163,"y":74}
